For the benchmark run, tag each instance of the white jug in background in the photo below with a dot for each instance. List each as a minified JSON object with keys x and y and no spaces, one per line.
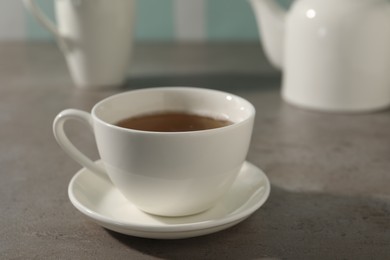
{"x":95,"y":37}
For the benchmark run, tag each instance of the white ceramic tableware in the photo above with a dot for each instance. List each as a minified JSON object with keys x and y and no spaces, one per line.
{"x":166,"y":173}
{"x":95,"y":37}
{"x":102,"y":202}
{"x":335,"y":54}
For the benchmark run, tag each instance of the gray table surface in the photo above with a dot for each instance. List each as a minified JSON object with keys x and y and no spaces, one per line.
{"x":330,"y":173}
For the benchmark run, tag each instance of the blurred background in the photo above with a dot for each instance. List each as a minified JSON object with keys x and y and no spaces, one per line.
{"x":156,"y":20}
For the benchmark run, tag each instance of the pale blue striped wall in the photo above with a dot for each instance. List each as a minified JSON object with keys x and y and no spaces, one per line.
{"x":230,"y":19}
{"x":154,"y":20}
{"x":224,"y":20}
{"x":34,"y":29}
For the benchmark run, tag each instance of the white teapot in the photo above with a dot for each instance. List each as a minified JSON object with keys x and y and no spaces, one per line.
{"x":335,"y":54}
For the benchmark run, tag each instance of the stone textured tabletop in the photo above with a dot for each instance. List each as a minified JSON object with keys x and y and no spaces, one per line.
{"x":330,"y":173}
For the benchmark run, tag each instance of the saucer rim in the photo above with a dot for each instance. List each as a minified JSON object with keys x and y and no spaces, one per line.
{"x":172,"y":228}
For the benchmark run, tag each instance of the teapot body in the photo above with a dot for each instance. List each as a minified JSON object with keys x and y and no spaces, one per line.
{"x":337,"y":55}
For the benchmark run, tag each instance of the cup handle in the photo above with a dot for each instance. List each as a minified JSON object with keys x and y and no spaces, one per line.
{"x":66,"y":144}
{"x":42,"y":18}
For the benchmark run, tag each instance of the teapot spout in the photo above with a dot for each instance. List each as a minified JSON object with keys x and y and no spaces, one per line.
{"x":270,"y":17}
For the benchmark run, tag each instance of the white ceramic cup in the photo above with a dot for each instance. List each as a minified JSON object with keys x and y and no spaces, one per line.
{"x":95,"y":37}
{"x":166,"y":173}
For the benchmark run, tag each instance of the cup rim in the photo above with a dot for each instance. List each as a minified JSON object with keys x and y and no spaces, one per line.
{"x":207,"y":131}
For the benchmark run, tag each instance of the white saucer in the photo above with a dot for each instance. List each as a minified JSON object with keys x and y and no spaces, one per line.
{"x":99,"y":200}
